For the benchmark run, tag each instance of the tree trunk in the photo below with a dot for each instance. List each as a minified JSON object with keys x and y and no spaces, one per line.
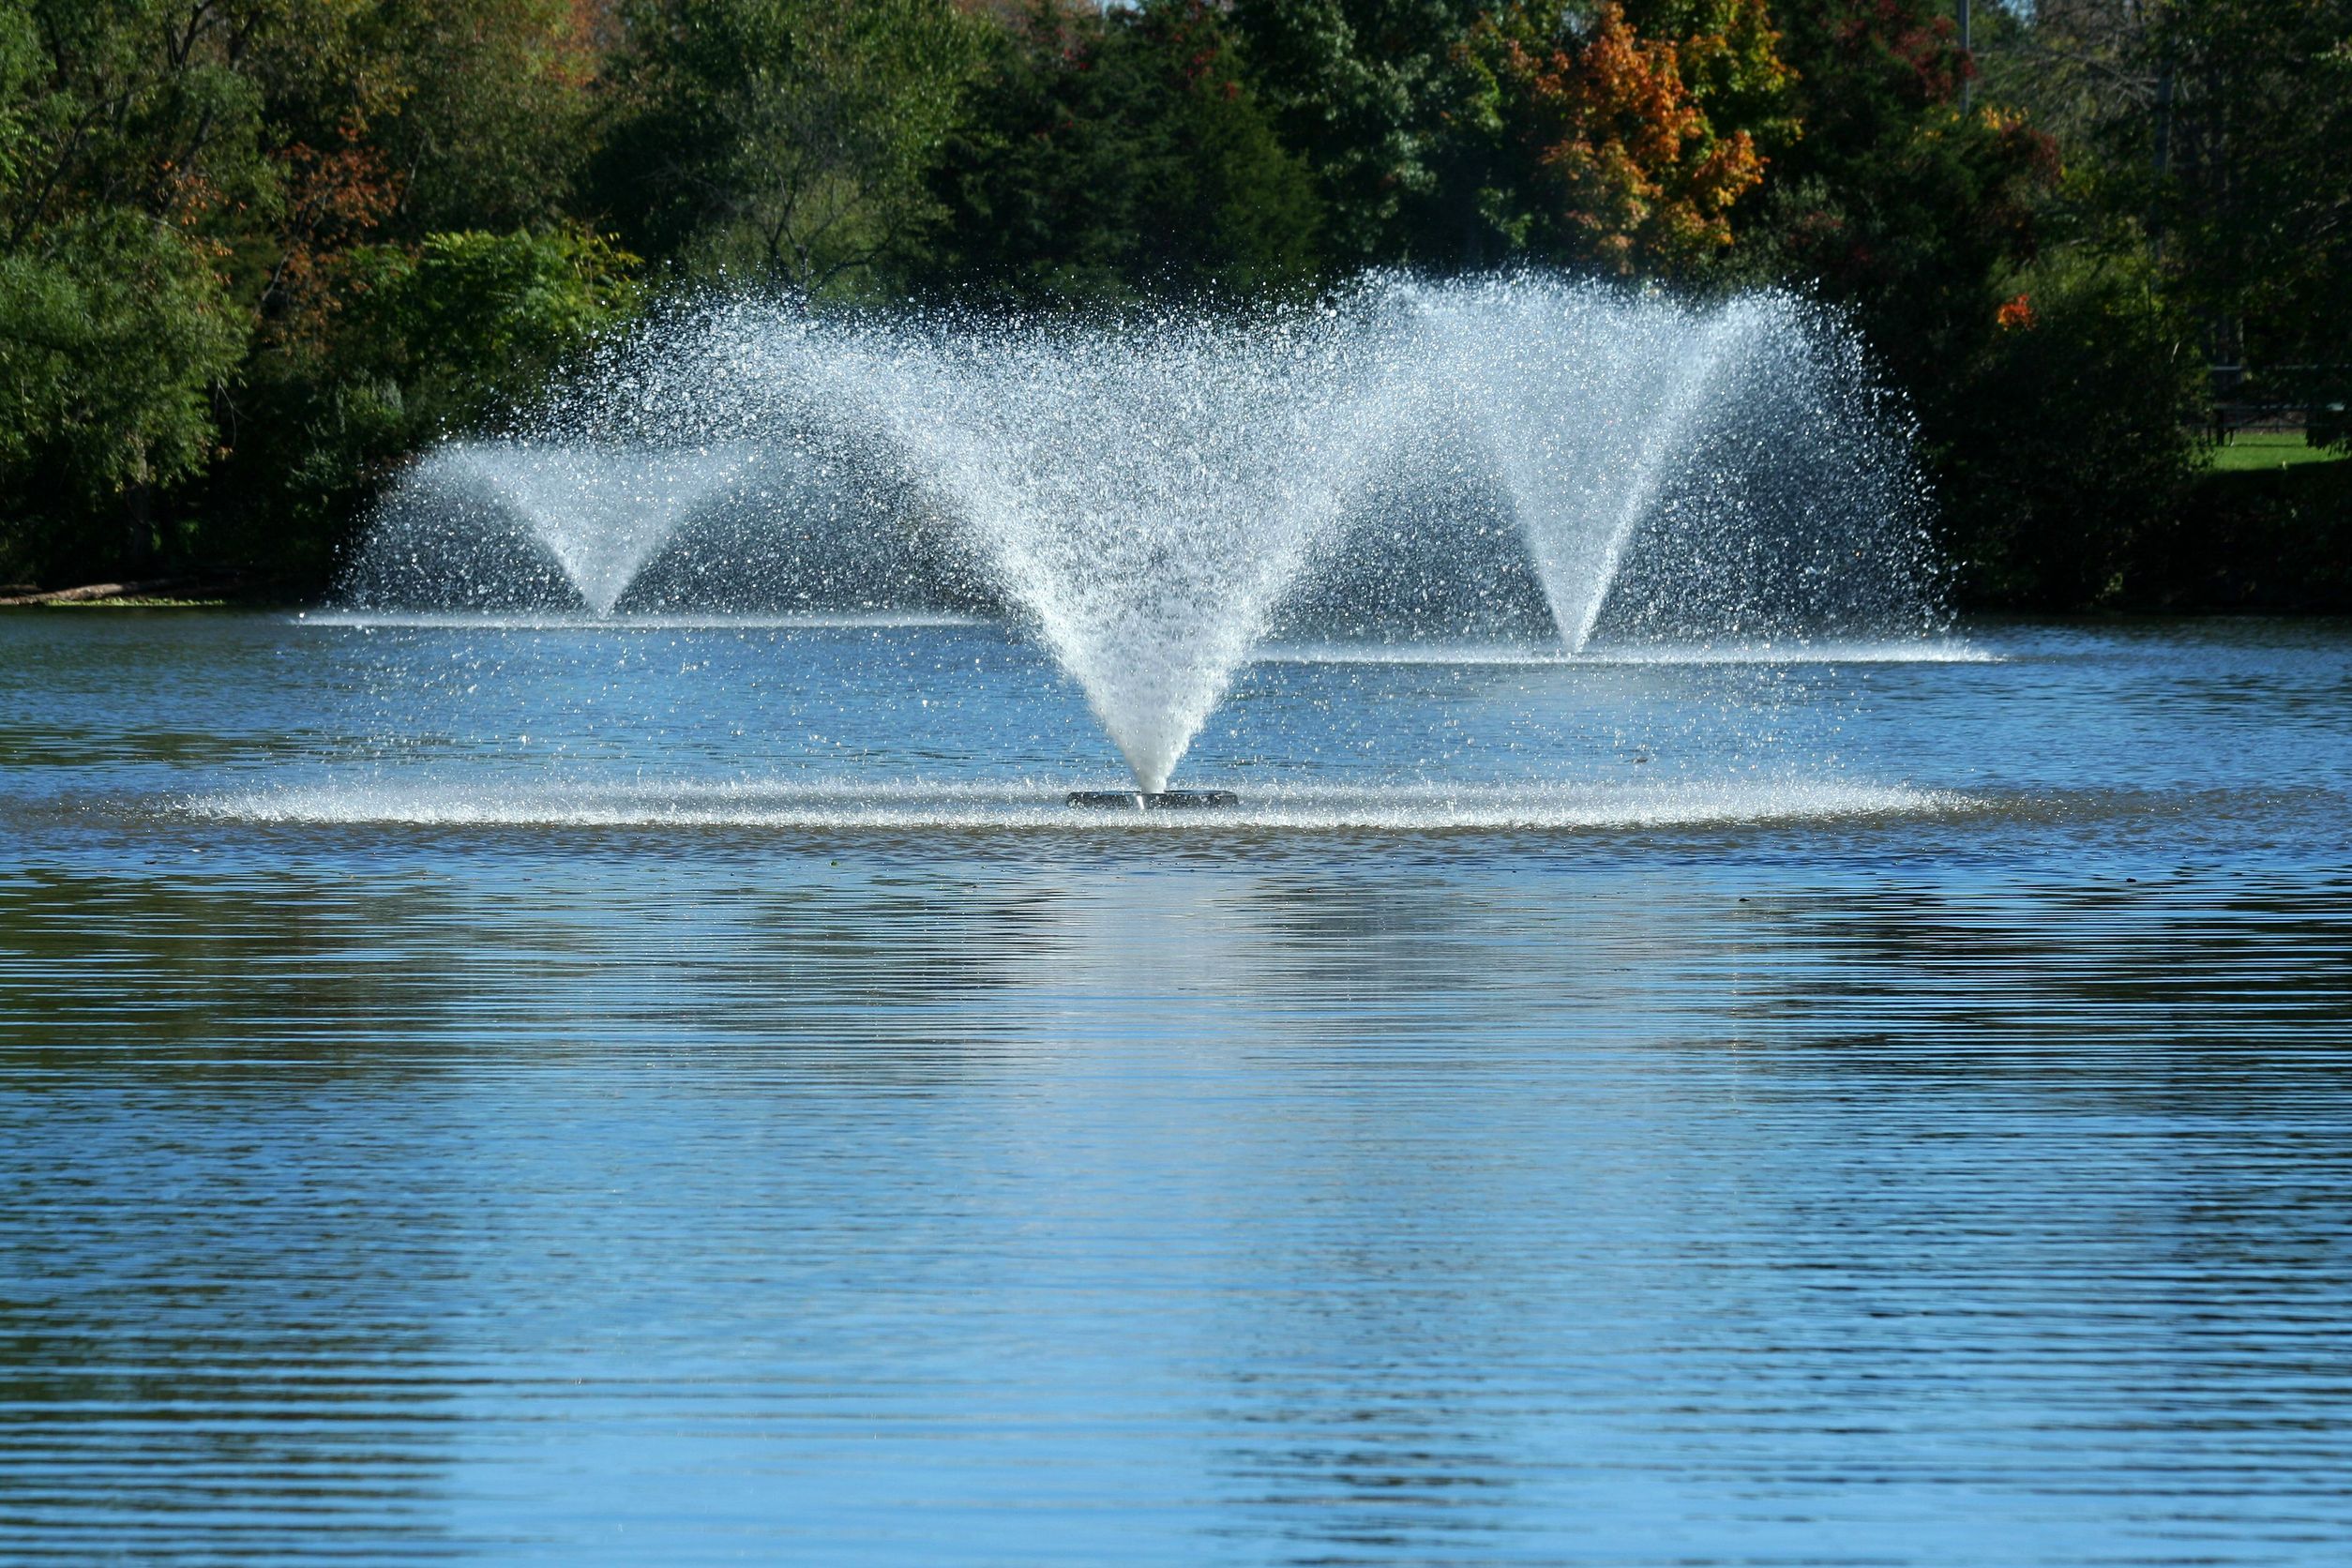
{"x":139,"y":541}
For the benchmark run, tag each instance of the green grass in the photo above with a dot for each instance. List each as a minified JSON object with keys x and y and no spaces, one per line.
{"x":2256,"y":449}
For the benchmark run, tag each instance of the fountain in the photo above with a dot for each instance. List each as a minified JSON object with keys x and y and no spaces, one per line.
{"x":1636,"y":372}
{"x":1143,"y":497}
{"x":1152,"y":497}
{"x":1152,"y":800}
{"x":598,"y":513}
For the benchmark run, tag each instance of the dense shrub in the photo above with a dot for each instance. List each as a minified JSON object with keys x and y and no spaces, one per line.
{"x":1108,"y":156}
{"x":429,"y":341}
{"x":2069,"y":437}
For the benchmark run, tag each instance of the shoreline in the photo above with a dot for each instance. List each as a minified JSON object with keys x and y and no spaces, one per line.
{"x":2249,"y":541}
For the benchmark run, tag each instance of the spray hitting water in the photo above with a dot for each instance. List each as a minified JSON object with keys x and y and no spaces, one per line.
{"x":1578,"y":401}
{"x":1152,"y":496}
{"x":600,"y":512}
{"x":1143,"y":498}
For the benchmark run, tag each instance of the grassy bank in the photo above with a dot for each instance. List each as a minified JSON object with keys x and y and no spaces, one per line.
{"x":2262,"y":451}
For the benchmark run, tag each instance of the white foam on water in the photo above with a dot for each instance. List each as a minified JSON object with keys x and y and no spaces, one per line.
{"x":1039,"y":807}
{"x":1511,"y":654}
{"x":1885,"y":650}
{"x":652,"y":621}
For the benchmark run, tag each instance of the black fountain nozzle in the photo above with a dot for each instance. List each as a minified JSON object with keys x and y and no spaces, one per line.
{"x":1149,"y":800}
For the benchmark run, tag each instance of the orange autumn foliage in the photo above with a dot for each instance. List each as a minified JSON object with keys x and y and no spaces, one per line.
{"x":333,"y":199}
{"x":1640,"y":178}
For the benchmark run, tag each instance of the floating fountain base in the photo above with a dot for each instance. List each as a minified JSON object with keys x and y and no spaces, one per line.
{"x":1165,"y":800}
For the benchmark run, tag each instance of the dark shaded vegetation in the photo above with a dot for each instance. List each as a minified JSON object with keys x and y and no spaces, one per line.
{"x":2279,"y":539}
{"x":254,"y":254}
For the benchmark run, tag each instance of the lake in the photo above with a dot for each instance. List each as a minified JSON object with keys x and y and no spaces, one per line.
{"x":681,"y":1093}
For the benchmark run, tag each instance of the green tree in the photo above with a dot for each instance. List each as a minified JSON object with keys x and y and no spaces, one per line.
{"x":2218,"y":133}
{"x":2069,"y":449}
{"x":783,"y":140}
{"x":428,"y":342}
{"x":130,"y":141}
{"x":2252,"y":135}
{"x":2057,"y":385}
{"x":495,"y":110}
{"x":1894,"y":201}
{"x":112,"y":338}
{"x":1429,"y":124}
{"x":182,"y":183}
{"x":1398,"y":119}
{"x":1118,"y":155}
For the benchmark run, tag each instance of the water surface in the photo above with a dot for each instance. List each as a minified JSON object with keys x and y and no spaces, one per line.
{"x":541,"y":1090}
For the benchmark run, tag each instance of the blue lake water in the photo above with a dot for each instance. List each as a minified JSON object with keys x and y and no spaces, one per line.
{"x":680,"y":1094}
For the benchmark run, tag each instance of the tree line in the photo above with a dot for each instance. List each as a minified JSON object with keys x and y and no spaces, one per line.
{"x":254,"y":254}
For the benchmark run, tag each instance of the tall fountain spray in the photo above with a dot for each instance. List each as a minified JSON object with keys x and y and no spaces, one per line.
{"x":1146,"y":494}
{"x":1143,"y":495}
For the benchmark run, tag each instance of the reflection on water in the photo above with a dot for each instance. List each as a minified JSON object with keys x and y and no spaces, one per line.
{"x":1944,"y":1185}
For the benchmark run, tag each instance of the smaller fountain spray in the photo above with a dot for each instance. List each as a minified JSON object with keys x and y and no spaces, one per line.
{"x":599,"y":512}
